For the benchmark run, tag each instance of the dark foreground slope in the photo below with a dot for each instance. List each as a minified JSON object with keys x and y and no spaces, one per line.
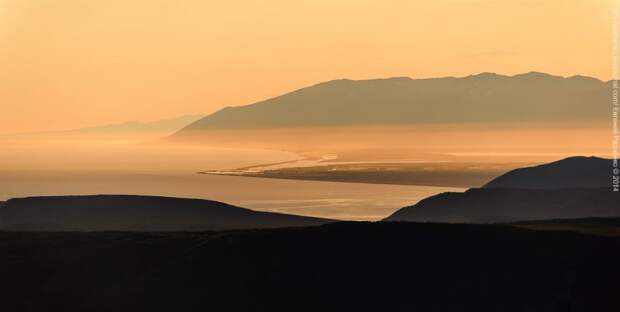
{"x":572,"y":172}
{"x":507,"y":205}
{"x":136,"y":213}
{"x":336,"y":267}
{"x":597,"y":226}
{"x":574,"y":187}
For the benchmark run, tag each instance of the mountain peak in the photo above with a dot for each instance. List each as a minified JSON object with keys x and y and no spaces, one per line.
{"x":535,"y":75}
{"x":584,"y":78}
{"x":486,"y":75}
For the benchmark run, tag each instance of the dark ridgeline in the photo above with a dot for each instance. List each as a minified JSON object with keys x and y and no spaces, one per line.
{"x":575,"y":187}
{"x":485,"y":97}
{"x":592,"y":225}
{"x":507,"y":205}
{"x":136,"y":213}
{"x":572,"y":172}
{"x":360,"y":266}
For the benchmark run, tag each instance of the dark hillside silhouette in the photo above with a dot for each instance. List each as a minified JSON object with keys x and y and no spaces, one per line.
{"x":575,"y":187}
{"x":484,"y":205}
{"x":136,"y":213}
{"x":572,"y":172}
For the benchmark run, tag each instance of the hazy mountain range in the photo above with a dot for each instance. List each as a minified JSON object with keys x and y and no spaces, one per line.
{"x":163,"y":126}
{"x":486,"y":97}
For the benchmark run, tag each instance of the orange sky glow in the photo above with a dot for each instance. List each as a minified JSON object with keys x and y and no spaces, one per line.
{"x":77,"y":63}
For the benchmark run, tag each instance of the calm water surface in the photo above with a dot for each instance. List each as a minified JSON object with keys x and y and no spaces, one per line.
{"x":47,"y":167}
{"x":353,"y":201}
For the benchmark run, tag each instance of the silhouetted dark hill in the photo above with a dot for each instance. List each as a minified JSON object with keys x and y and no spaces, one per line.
{"x":575,"y":187}
{"x":486,"y":97}
{"x":336,"y":267}
{"x":507,"y":205}
{"x":573,"y":172}
{"x":136,"y":213}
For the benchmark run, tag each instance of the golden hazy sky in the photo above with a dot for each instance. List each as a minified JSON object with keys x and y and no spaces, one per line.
{"x":74,"y":63}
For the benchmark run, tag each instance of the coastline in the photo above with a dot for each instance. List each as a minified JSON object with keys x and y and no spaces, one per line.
{"x":417,"y":173}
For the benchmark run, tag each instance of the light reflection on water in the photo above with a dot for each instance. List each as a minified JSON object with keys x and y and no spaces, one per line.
{"x":351,"y":201}
{"x":47,"y":166}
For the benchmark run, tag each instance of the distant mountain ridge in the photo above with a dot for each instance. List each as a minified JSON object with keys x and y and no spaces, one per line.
{"x":168,"y":125}
{"x":136,"y":213}
{"x":163,"y":125}
{"x":575,"y":187}
{"x":486,"y":97}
